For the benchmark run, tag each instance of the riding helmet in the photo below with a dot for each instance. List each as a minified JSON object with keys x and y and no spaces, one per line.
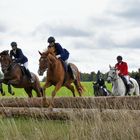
{"x":14,"y":44}
{"x":119,"y":57}
{"x":51,"y":39}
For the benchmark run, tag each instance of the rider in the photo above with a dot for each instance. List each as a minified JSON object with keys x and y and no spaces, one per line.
{"x":61,"y":53}
{"x":101,"y":83}
{"x":20,"y":58}
{"x":122,"y":68}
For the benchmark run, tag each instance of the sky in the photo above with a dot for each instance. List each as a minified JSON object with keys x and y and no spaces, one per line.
{"x":95,"y":32}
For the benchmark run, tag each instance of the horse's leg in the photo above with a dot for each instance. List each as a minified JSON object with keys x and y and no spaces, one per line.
{"x":1,"y":90}
{"x":10,"y":89}
{"x":46,"y":85}
{"x":39,"y":91}
{"x":1,"y":87}
{"x":57,"y":87}
{"x":12,"y":82}
{"x":79,"y":87}
{"x":29,"y":92}
{"x":36,"y":86}
{"x":71,"y":87}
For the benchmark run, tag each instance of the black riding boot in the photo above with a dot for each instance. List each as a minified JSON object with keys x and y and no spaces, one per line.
{"x":65,"y":66}
{"x":29,"y":75}
{"x":127,"y":89}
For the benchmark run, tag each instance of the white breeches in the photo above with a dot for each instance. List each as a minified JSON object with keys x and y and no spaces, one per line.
{"x":25,"y":65}
{"x":127,"y":79}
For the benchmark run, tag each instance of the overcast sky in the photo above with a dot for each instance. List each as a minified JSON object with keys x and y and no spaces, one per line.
{"x":94,"y":31}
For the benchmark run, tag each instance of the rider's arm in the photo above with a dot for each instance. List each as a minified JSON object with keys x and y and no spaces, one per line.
{"x":125,"y":69}
{"x":11,"y":53}
{"x":20,"y":56}
{"x":59,"y":50}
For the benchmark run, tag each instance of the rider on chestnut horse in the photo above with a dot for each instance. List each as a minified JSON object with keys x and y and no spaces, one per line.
{"x":61,"y":53}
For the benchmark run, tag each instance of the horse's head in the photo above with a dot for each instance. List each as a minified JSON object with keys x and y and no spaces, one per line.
{"x":112,"y":74}
{"x":5,"y":60}
{"x":45,"y":59}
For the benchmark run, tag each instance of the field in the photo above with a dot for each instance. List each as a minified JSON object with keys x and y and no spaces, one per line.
{"x":118,"y":125}
{"x":126,"y":128}
{"x":62,"y":92}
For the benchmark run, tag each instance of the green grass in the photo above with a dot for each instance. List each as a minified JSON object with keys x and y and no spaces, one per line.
{"x":62,"y":92}
{"x":32,"y":129}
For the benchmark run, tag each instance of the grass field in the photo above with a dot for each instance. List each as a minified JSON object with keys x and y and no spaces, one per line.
{"x":62,"y":92}
{"x":125,"y":128}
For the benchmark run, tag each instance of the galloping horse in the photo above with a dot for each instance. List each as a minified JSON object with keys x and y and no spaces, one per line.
{"x":119,"y":88}
{"x":56,"y":74}
{"x":14,"y":75}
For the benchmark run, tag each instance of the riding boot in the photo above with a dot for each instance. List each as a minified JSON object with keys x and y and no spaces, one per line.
{"x":29,"y":76}
{"x":65,"y":66}
{"x":105,"y":92}
{"x":127,"y":89}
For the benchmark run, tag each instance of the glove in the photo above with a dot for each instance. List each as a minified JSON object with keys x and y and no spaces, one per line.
{"x":58,"y":56}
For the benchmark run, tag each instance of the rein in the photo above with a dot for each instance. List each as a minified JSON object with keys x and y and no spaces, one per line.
{"x":9,"y":67}
{"x":112,"y":78}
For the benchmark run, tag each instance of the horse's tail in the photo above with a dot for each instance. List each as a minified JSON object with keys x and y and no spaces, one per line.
{"x":79,"y":87}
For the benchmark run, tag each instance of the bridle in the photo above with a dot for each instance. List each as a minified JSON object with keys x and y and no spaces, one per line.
{"x":113,"y":77}
{"x":7,"y":68}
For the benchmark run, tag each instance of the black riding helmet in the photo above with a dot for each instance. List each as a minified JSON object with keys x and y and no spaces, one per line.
{"x":14,"y":44}
{"x":51,"y":39}
{"x":119,"y":57}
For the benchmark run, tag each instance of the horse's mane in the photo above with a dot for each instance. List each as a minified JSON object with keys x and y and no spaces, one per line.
{"x":48,"y":51}
{"x":5,"y":52}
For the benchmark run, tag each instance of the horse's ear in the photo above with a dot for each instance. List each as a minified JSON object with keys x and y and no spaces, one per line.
{"x":40,"y":53}
{"x":109,"y":66}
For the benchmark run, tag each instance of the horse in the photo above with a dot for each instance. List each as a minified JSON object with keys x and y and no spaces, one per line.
{"x":100,"y":91}
{"x":56,"y":74}
{"x":15,"y":75}
{"x":119,"y":88}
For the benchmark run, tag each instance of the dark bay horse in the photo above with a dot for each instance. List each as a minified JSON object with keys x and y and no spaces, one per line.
{"x":56,"y":74}
{"x":14,"y":75}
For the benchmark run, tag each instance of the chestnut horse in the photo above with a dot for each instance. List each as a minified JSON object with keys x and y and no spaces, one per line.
{"x":56,"y":74}
{"x":14,"y":75}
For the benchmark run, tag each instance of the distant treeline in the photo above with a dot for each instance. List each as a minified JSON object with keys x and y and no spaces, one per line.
{"x":93,"y":76}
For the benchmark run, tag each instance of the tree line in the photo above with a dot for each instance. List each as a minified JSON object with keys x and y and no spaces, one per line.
{"x":93,"y":76}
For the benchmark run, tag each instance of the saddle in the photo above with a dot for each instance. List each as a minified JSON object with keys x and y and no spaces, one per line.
{"x":70,"y":69}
